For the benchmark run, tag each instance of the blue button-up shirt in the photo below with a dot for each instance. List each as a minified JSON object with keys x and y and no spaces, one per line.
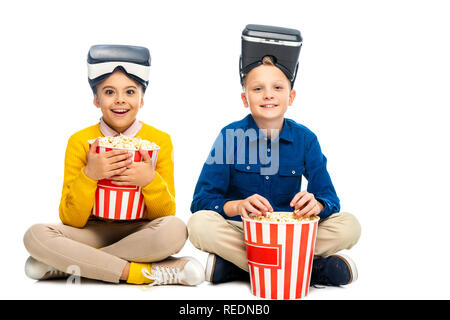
{"x":243,"y":161}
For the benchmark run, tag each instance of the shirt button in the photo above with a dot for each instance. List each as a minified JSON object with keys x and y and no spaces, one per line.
{"x":248,"y":167}
{"x":268,"y":149}
{"x":293,"y":171}
{"x":267,"y":177}
{"x":216,"y":207}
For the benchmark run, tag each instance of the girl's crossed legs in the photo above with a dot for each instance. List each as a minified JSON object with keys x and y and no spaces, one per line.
{"x":102,"y":250}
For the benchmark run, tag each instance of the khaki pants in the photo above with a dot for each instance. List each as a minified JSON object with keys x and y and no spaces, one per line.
{"x":101,"y":249}
{"x":209,"y":231}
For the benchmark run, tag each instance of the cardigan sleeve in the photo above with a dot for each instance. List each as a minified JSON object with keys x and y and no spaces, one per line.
{"x":159,"y":195}
{"x":78,"y":191}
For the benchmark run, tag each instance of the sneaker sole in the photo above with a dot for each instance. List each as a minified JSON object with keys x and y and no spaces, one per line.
{"x":209,"y":269}
{"x":351,"y":266}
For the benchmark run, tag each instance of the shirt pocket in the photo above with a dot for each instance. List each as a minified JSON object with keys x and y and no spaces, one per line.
{"x":246,"y":177}
{"x":289,"y":179}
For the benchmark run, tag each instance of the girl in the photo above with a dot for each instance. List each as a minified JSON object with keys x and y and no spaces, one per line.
{"x":136,"y":251}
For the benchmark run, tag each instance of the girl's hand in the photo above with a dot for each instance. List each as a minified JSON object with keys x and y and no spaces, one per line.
{"x":106,"y":164}
{"x":306,"y":204}
{"x":137,"y":174}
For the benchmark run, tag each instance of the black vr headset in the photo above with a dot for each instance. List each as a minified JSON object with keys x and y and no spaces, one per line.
{"x":282,"y":44}
{"x":104,"y":59}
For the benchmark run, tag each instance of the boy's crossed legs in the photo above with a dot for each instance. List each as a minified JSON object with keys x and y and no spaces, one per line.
{"x":210,"y":232}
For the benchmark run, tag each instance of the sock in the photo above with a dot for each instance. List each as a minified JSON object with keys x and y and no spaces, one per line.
{"x":135,"y":275}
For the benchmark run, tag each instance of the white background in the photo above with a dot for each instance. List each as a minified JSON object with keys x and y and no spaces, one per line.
{"x":373,"y":84}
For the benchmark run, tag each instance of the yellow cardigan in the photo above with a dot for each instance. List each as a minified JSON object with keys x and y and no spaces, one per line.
{"x":78,"y":191}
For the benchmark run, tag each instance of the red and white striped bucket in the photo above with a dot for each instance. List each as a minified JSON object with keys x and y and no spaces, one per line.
{"x":120,"y":202}
{"x":280,"y":257}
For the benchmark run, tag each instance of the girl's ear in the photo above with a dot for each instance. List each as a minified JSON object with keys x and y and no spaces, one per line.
{"x":244,"y":99}
{"x":96,"y":101}
{"x":142,"y":102}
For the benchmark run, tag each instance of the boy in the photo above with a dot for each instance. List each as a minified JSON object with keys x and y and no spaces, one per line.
{"x":256,"y":166}
{"x":134,"y":251}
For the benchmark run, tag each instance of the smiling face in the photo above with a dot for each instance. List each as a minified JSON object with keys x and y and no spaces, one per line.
{"x":119,"y":99}
{"x":267,"y":93}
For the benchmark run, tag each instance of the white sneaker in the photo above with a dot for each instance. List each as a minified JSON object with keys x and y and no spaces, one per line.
{"x":40,"y":271}
{"x":185,"y":270}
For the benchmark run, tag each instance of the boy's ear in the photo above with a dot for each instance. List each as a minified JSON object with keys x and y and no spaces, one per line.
{"x":244,"y":99}
{"x":292,"y":95}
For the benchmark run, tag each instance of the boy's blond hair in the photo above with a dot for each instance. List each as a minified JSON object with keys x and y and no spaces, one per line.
{"x":266,"y":60}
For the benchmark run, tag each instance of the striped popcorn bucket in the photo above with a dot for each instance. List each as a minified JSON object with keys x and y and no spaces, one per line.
{"x":120,"y":202}
{"x":280,"y":257}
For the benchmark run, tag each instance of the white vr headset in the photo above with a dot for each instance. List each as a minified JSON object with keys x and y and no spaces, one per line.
{"x":104,"y":59}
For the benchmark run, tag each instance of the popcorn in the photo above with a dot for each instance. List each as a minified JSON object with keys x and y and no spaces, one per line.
{"x":124,"y":142}
{"x":282,"y":217}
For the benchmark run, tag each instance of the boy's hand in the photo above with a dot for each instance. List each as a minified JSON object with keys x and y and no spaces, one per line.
{"x":106,"y":164}
{"x":306,"y":204}
{"x":254,"y":204}
{"x":137,"y":174}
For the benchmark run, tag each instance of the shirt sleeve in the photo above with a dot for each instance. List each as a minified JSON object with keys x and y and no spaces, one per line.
{"x":214,"y":180}
{"x":319,"y":180}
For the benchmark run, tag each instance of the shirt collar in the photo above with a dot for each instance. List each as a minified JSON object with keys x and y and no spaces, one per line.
{"x":285,"y":134}
{"x":131,"y":132}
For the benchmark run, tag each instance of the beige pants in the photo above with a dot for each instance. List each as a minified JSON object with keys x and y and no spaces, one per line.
{"x":101,"y":249}
{"x":209,"y":231}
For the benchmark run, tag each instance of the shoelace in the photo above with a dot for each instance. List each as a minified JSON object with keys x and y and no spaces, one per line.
{"x":162,"y":275}
{"x":54,"y":273}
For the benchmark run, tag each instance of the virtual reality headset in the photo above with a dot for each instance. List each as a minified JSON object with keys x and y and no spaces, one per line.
{"x":102,"y":60}
{"x":282,"y":44}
